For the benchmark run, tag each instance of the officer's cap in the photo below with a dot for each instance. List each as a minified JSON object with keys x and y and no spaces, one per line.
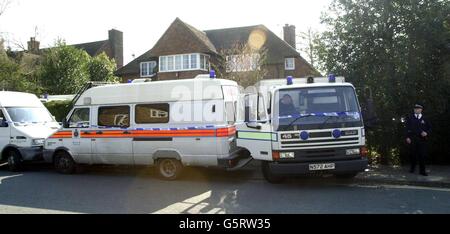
{"x":418,"y":106}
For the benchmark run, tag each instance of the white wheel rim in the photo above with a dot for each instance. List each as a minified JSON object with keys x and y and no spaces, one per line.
{"x":168,"y":168}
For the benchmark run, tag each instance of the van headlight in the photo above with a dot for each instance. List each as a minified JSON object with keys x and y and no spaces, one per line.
{"x":287,"y":154}
{"x":39,"y":141}
{"x":352,"y":151}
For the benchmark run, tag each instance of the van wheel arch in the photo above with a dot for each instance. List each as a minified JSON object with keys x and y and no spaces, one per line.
{"x":7,"y":149}
{"x":13,"y":157}
{"x":160,"y":154}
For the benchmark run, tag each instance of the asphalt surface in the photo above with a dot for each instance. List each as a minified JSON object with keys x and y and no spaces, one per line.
{"x":39,"y":189}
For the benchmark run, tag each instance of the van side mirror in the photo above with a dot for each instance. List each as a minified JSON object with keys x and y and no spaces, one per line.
{"x":65,"y":124}
{"x":254,"y":125}
{"x":3,"y":123}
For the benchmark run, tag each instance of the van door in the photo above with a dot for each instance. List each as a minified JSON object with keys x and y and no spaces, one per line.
{"x":80,"y":145}
{"x":255,"y":133}
{"x":113,"y":143}
{"x":5,"y":131}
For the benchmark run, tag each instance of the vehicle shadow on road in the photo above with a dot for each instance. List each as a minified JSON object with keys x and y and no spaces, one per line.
{"x":38,"y":189}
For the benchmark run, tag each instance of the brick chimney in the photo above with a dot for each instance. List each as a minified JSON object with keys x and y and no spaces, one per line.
{"x":289,"y":34}
{"x":115,"y":38}
{"x":33,"y":46}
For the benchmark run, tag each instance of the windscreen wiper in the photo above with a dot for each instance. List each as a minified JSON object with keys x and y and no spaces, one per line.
{"x":293,"y":121}
{"x":322,"y":125}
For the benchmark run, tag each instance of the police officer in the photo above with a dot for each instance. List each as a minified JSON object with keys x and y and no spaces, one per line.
{"x":418,"y":129}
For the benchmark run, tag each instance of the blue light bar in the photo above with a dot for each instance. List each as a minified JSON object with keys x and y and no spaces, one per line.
{"x":212,"y":74}
{"x":331,"y":78}
{"x":289,"y":80}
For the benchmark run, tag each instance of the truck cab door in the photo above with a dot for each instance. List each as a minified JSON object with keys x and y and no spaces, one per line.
{"x":255,"y":133}
{"x":80,"y":144}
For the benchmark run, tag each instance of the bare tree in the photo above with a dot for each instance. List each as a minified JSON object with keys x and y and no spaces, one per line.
{"x":242,"y":63}
{"x":4,"y":4}
{"x":307,"y":45}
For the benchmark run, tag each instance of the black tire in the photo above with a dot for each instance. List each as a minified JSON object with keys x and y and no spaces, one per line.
{"x":64,"y":163}
{"x":14,"y":161}
{"x":347,"y":176}
{"x":169,"y":168}
{"x":268,"y":175}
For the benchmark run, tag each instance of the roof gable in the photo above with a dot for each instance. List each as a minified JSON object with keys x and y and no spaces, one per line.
{"x":182,"y":38}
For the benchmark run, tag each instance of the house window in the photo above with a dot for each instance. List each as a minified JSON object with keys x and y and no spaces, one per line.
{"x":152,"y":113}
{"x":194,"y":61}
{"x":186,"y":62}
{"x":170,"y":63}
{"x":163,"y":63}
{"x":147,"y":68}
{"x":289,"y":64}
{"x":183,"y":62}
{"x":177,"y":62}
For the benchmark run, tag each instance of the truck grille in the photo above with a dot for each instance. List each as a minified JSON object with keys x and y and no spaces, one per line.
{"x":321,"y":143}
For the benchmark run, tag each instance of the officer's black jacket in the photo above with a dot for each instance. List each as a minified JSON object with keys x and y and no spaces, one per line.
{"x":415,"y":126}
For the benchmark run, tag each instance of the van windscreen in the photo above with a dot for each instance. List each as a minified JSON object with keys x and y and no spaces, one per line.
{"x":29,"y":114}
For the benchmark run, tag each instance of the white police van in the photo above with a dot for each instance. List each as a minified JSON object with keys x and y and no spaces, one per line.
{"x":170,"y":124}
{"x":304,"y":125}
{"x":24,"y":125}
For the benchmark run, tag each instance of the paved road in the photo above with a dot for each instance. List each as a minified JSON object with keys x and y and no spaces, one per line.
{"x":124,"y":190}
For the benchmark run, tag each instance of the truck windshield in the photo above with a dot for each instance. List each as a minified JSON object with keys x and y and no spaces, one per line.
{"x":29,"y":114}
{"x":317,"y":107}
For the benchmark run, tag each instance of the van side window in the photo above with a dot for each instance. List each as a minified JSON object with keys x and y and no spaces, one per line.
{"x":114,"y":116}
{"x":79,"y":118}
{"x":152,"y":113}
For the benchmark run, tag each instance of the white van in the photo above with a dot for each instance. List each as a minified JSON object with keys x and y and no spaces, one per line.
{"x":24,"y":125}
{"x":164,"y":123}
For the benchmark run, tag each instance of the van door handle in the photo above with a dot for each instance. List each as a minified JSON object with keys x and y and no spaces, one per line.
{"x":86,"y":132}
{"x":99,"y":132}
{"x":126,"y":132}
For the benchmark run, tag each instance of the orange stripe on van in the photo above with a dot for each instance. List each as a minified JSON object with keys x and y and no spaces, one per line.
{"x":220,"y":132}
{"x":62,"y":134}
{"x":226,"y":132}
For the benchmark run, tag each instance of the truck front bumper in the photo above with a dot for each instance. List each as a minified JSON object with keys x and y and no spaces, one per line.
{"x":33,"y":153}
{"x":341,"y":167}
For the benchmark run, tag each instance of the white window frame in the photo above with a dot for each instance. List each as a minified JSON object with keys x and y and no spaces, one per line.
{"x":287,"y":63}
{"x":163,"y":67}
{"x":148,"y":66}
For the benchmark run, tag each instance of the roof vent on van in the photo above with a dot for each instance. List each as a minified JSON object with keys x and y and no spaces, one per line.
{"x":202,"y":76}
{"x":142,"y":80}
{"x":87,"y":101}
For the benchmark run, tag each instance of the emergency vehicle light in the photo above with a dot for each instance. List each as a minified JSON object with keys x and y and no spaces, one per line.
{"x":212,"y":74}
{"x":289,"y":80}
{"x":332,"y":78}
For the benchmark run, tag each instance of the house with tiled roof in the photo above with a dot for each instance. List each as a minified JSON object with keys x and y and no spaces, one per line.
{"x":184,"y":52}
{"x":112,"y":47}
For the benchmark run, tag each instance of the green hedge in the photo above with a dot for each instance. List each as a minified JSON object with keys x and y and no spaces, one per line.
{"x":59,"y":109}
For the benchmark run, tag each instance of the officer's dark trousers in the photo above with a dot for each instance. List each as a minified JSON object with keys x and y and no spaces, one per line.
{"x":418,"y":152}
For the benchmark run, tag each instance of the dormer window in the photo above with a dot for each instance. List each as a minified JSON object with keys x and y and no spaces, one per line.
{"x":147,"y":68}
